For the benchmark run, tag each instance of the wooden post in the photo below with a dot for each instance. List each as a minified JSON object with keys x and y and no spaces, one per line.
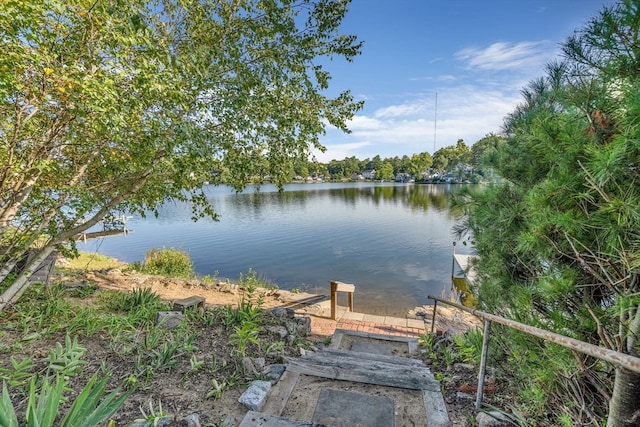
{"x":340,"y":287}
{"x":433,"y":319}
{"x":483,"y":363}
{"x":334,"y":299}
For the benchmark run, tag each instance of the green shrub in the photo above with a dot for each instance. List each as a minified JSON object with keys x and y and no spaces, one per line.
{"x":168,"y":262}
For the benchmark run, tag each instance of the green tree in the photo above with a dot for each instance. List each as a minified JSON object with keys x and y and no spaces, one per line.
{"x":385,"y":171}
{"x":375,"y":163}
{"x":350,"y":166}
{"x":558,"y":241}
{"x":120,"y":106}
{"x":462,"y":153}
{"x":440,"y":161}
{"x":485,"y":147}
{"x":419,"y":164}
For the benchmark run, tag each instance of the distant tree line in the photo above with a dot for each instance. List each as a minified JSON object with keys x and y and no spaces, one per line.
{"x":451,"y":158}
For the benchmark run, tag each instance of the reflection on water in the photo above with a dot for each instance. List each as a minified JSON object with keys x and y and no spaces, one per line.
{"x":393,"y":241}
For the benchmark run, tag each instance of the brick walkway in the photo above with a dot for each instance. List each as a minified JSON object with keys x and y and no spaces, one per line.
{"x":323,"y":327}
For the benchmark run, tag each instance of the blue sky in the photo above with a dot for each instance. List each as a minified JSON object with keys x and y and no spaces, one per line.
{"x":476,"y":55}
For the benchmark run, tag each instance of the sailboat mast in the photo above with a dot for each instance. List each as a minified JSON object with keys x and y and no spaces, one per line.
{"x":435,"y":122}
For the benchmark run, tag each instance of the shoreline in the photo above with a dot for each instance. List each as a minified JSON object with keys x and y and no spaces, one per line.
{"x":227,"y":293}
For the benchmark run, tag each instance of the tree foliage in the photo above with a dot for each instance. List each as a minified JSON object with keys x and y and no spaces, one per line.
{"x":559,"y":240}
{"x":450,"y":156}
{"x":119,"y":106}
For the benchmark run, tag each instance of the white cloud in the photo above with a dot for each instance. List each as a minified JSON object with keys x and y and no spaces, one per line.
{"x":464,"y":112}
{"x":407,"y":109}
{"x":506,"y":56}
{"x":340,"y":151}
{"x":360,"y":122}
{"x":470,"y":104}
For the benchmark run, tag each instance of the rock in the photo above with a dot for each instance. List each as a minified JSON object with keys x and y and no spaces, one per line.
{"x":283,"y":313}
{"x":449,"y":381}
{"x":274,"y":372}
{"x":449,"y":333}
{"x":192,"y":420}
{"x":491,"y":419}
{"x":254,"y":397}
{"x":300,"y":326}
{"x":229,"y":288}
{"x":444,"y":312}
{"x":446,"y":338}
{"x":464,"y":396}
{"x":75,"y":285}
{"x":278,"y":312}
{"x":259,"y":363}
{"x":248,"y":366}
{"x":304,"y":326}
{"x":229,"y":421}
{"x":169,"y":319}
{"x":281,"y":331}
{"x":160,"y":422}
{"x":458,"y":367}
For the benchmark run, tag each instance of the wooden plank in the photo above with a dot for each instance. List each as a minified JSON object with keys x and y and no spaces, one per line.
{"x":346,"y":362}
{"x":280,"y":393}
{"x":378,"y":374}
{"x":345,"y":287}
{"x":396,"y":360}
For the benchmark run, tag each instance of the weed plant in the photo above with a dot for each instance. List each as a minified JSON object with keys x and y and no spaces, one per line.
{"x":46,"y":392}
{"x":244,"y":335}
{"x":154,"y":417}
{"x":469,"y":346}
{"x":168,"y":262}
{"x":140,"y":304}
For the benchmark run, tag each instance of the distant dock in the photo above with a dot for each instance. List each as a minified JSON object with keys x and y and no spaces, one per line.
{"x":112,"y":225}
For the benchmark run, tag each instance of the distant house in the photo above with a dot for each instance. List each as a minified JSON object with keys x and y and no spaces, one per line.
{"x":369,"y":174}
{"x":404,"y":177}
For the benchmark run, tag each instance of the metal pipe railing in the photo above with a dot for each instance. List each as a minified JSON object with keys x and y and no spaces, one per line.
{"x":614,"y":357}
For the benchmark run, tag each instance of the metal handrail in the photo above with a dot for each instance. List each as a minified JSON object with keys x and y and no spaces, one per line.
{"x":625,"y":361}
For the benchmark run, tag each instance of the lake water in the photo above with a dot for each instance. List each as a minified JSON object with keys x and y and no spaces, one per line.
{"x":393,"y":241}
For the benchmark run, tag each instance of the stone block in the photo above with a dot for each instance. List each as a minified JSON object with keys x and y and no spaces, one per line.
{"x":255,"y":396}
